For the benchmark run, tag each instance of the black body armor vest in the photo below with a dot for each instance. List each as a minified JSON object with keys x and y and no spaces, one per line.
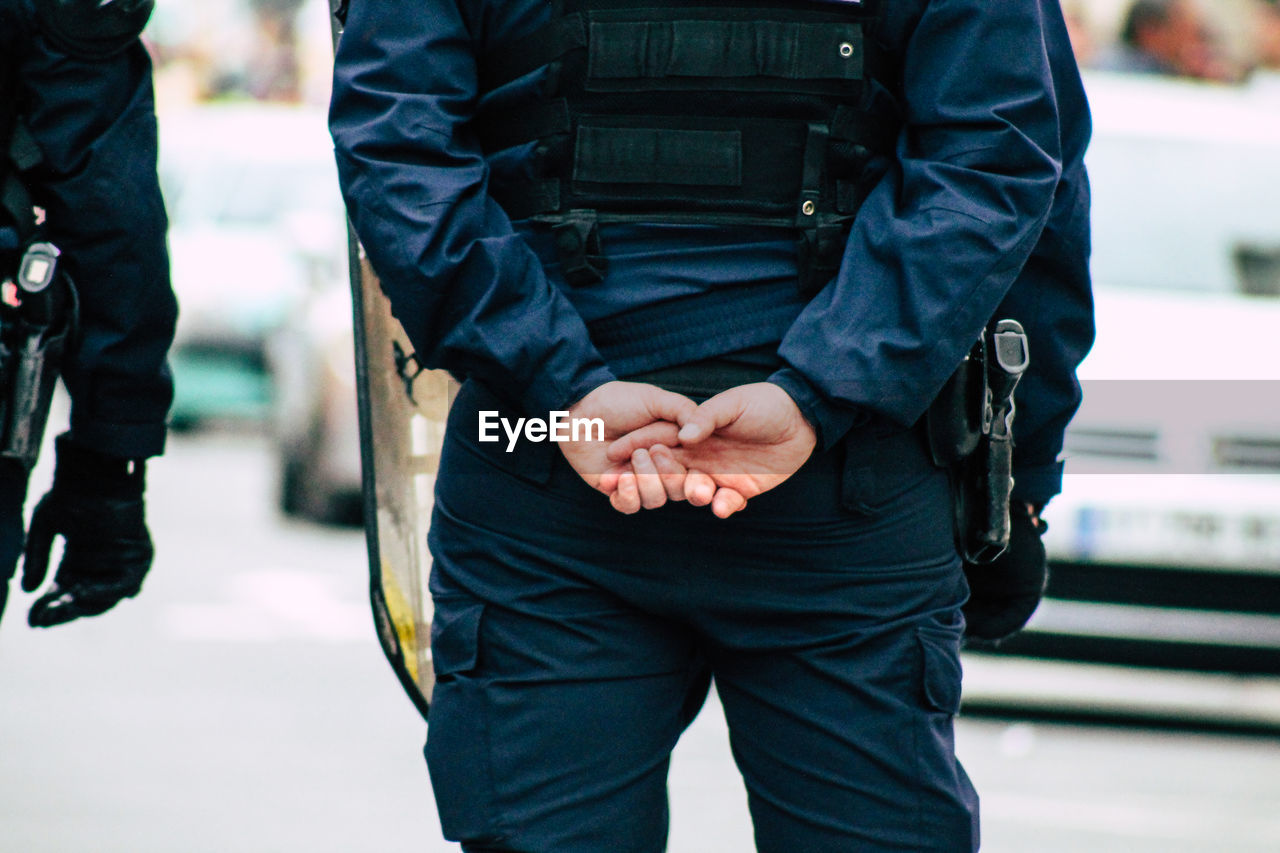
{"x":722,"y":112}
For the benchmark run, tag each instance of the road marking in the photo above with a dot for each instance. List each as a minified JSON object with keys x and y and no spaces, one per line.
{"x":272,"y":605}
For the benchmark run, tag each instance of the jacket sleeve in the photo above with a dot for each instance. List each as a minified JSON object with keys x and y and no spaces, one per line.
{"x":94,"y":122}
{"x":471,"y":295}
{"x":947,"y":228}
{"x":1053,"y":297}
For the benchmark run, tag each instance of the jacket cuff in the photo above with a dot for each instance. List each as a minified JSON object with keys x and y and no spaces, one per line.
{"x":543,"y":398}
{"x":830,"y":420}
{"x":129,"y":441}
{"x":87,"y":471}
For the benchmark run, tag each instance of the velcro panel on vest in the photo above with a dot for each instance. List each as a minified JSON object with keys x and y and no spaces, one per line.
{"x":631,"y":155}
{"x":724,"y":49}
{"x":665,"y":163}
{"x":650,"y":163}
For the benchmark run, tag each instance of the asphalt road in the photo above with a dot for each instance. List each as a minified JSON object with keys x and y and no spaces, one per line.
{"x":241,"y":705}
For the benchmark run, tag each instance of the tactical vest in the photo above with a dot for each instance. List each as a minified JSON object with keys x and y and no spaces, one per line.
{"x":721,"y":112}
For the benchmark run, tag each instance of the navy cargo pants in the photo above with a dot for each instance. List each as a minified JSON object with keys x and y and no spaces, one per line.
{"x":13,"y":494}
{"x":571,"y":646}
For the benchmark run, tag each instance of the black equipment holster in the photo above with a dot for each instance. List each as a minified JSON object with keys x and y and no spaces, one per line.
{"x":970,"y":431}
{"x":38,"y":315}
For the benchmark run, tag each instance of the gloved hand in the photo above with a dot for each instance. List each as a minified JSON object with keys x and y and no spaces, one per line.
{"x":96,"y":505}
{"x":1005,"y":592}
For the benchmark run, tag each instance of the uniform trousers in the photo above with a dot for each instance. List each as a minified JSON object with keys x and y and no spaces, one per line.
{"x":572,"y":646}
{"x":13,"y":494}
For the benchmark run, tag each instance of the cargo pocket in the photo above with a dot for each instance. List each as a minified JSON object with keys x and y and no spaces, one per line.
{"x":455,"y":635}
{"x":458,"y":747}
{"x":941,"y":674}
{"x":946,"y":805}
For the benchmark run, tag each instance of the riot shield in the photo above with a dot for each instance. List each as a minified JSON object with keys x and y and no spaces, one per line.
{"x":402,"y":418}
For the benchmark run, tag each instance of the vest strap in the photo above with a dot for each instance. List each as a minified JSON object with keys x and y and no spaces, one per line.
{"x":522,"y":201}
{"x":582,"y":260}
{"x":499,"y":130}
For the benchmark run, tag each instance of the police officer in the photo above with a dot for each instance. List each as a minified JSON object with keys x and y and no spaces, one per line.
{"x":754,"y":239}
{"x":80,"y":176}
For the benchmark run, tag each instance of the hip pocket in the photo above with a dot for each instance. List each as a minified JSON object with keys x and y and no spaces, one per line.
{"x":881,"y":462}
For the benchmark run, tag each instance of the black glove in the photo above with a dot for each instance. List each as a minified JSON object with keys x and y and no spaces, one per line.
{"x":1005,"y":592}
{"x":96,"y":506}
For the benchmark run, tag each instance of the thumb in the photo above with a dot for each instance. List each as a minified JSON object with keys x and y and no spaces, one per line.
{"x":717,"y":413}
{"x":664,"y":405}
{"x":35,"y":563}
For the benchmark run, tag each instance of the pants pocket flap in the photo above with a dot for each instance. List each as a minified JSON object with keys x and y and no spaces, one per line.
{"x":455,"y":635}
{"x":941,"y":652}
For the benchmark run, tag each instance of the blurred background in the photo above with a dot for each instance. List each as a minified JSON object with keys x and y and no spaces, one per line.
{"x":242,"y":703}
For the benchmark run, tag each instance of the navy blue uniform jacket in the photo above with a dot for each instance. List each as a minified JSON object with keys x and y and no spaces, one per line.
{"x":982,"y":209}
{"x":94,"y":122}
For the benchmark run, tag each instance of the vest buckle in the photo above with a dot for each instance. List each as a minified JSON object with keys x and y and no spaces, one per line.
{"x":582,"y":260}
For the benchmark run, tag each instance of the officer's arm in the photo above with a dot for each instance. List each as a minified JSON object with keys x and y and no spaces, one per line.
{"x":1052,"y":297}
{"x":87,"y":100}
{"x":470,"y":294}
{"x":945,"y":231}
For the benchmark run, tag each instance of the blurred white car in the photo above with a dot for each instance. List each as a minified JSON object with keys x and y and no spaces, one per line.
{"x":244,"y":184}
{"x":1165,"y":543}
